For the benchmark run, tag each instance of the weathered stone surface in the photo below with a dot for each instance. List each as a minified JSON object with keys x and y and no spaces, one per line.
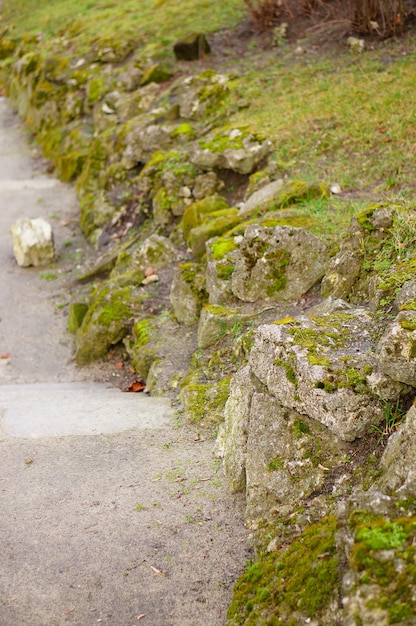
{"x":201,"y":95}
{"x":107,"y":321}
{"x":191,"y":48}
{"x":288,"y":456}
{"x":325,"y":367}
{"x":33,"y":242}
{"x":142,"y":141}
{"x":277,"y":264}
{"x":397,"y":349}
{"x":262,"y":198}
{"x":397,"y":463}
{"x":231,"y":443}
{"x":76,"y":314}
{"x":188,"y":292}
{"x":342,"y":279}
{"x":406,"y":295}
{"x":156,"y":252}
{"x":230,"y":149}
{"x":376,"y":539}
{"x":215,"y":321}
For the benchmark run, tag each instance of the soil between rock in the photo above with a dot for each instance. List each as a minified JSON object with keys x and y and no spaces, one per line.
{"x":115,"y":528}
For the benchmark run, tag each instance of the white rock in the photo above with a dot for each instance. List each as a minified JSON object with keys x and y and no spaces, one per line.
{"x":33,"y":242}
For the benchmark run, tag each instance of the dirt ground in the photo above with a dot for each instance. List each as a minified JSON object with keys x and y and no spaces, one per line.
{"x":120,"y":528}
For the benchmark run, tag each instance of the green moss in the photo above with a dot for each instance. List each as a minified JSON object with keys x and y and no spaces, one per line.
{"x":409,"y":306}
{"x":115,"y":309}
{"x":96,"y":89}
{"x":298,"y":190}
{"x":76,"y":314}
{"x":275,"y":464}
{"x":141,"y":332}
{"x":290,"y":372}
{"x":221,"y":140}
{"x":218,"y":223}
{"x":278,"y":260}
{"x":363,"y":218}
{"x":205,"y":402}
{"x":301,"y":578}
{"x":221,"y":246}
{"x":184,"y":130}
{"x":224,"y":272}
{"x":301,"y":428}
{"x":375,"y":535}
{"x":197,"y":212}
{"x":408,"y":324}
{"x":314,"y":359}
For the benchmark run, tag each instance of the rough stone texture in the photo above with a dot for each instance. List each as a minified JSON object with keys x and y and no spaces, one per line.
{"x":288,"y":456}
{"x":142,"y":141}
{"x":325,"y":368}
{"x":187,"y":293}
{"x":33,"y":242}
{"x":406,"y":294}
{"x":262,"y":198}
{"x":344,"y":268}
{"x":201,"y":94}
{"x":277,"y":264}
{"x":191,"y":48}
{"x":231,"y":443}
{"x":219,"y":269}
{"x":397,"y":349}
{"x":106,"y":322}
{"x":155,"y":252}
{"x":397,"y":463}
{"x":215,"y":321}
{"x":376,"y":540}
{"x":230,"y":149}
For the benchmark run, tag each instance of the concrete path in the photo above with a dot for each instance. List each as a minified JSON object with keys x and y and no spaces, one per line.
{"x":109,"y":513}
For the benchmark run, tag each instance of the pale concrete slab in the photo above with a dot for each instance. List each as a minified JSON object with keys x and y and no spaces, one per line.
{"x":62,"y":409}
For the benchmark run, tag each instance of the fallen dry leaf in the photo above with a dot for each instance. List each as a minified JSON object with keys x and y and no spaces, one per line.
{"x":149,"y":271}
{"x":322,"y":467}
{"x":5,"y":355}
{"x":158,"y":571}
{"x":119,"y":365}
{"x":64,"y":223}
{"x":136,"y":385}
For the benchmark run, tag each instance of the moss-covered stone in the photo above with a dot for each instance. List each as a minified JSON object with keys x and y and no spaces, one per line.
{"x":106,"y":322}
{"x":291,"y":586}
{"x":157,"y":73}
{"x":197,"y":212}
{"x":217,"y":223}
{"x":76,"y":314}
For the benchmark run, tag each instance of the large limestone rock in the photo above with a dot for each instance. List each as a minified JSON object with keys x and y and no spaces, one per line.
{"x":397,"y":349}
{"x":277,"y":264}
{"x":33,"y":242}
{"x":325,"y":367}
{"x":288,"y":456}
